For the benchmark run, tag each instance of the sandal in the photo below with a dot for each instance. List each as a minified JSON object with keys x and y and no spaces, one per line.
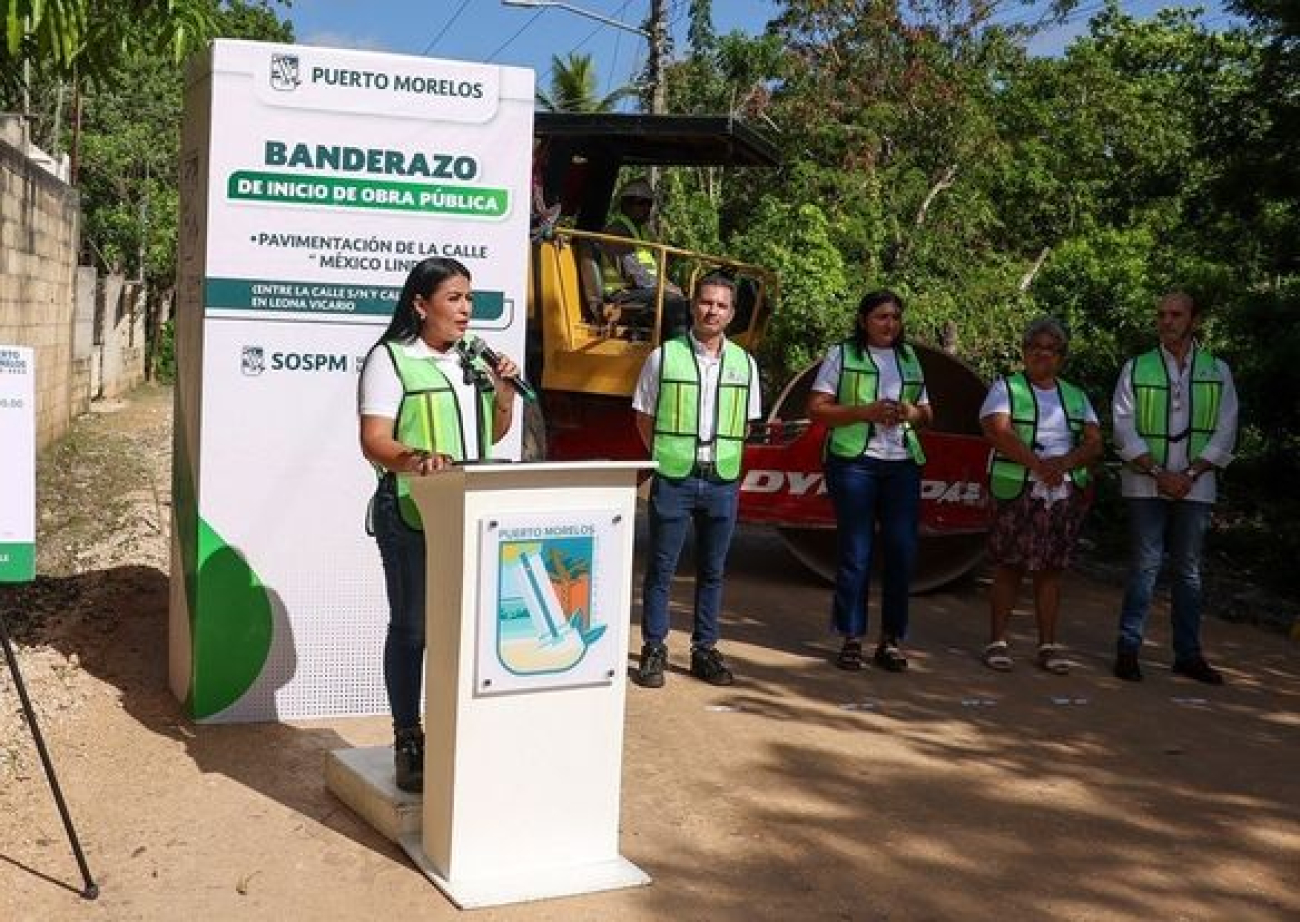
{"x":1051,"y":658}
{"x":850,"y":657}
{"x":889,"y":658}
{"x":997,"y":657}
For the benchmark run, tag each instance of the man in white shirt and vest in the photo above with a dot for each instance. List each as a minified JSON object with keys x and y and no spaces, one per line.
{"x":694,"y":401}
{"x":1175,"y":416}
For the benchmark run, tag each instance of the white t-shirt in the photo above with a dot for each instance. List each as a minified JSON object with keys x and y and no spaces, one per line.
{"x":380,"y":390}
{"x":646,"y":396}
{"x":1054,"y":438}
{"x":886,"y":442}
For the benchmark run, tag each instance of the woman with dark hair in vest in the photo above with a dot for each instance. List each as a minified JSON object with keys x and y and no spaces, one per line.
{"x":870,"y":393}
{"x":1044,"y":435}
{"x":424,"y":403}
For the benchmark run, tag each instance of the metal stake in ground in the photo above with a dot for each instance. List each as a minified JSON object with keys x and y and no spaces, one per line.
{"x":91,"y":890}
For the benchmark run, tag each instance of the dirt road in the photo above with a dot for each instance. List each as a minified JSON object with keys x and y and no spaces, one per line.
{"x":948,"y":793}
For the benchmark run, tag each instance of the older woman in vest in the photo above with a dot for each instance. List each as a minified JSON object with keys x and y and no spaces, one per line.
{"x":1044,"y":434}
{"x":424,"y":404}
{"x":870,"y":393}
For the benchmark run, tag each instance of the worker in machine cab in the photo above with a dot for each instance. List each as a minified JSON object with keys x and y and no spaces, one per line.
{"x":630,"y":274}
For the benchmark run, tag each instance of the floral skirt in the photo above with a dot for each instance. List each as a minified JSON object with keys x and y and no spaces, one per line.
{"x":1030,"y":534}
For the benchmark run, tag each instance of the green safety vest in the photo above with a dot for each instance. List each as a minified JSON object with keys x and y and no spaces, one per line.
{"x":1151,"y":386}
{"x":429,"y":419}
{"x":859,"y":385}
{"x":677,"y":411}
{"x":611,"y":275}
{"x":1007,"y":478}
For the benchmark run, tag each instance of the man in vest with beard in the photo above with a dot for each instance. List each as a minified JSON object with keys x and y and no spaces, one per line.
{"x":1175,"y":415}
{"x":694,"y":400}
{"x":630,"y":274}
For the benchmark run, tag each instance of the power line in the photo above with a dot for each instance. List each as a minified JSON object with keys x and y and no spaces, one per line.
{"x":590,"y":36}
{"x":614,"y":57}
{"x":510,"y":41}
{"x":1036,"y":19}
{"x":617,"y":14}
{"x":1089,"y":8}
{"x":437,"y":38}
{"x":1084,"y":11}
{"x":613,"y":60}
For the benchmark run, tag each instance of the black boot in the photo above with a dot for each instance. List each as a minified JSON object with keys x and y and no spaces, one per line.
{"x":408,"y":759}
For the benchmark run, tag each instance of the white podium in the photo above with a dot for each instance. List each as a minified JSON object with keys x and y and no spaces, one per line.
{"x":529,"y":593}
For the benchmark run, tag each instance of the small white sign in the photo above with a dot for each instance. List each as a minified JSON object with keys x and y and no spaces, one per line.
{"x":17,"y":465}
{"x":548,"y":601}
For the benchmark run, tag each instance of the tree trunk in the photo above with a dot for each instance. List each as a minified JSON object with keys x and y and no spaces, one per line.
{"x":1028,"y":278}
{"x":945,"y":182}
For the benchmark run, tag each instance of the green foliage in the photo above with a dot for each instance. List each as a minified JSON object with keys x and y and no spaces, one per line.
{"x":1266,"y":364}
{"x":1100,"y":284}
{"x":574,"y":84}
{"x":164,"y":365}
{"x":700,"y":35}
{"x":66,"y":39}
{"x":981,"y":317}
{"x":814,"y":308}
{"x":130,"y":143}
{"x":925,"y":151}
{"x":729,"y":73}
{"x":689,"y":217}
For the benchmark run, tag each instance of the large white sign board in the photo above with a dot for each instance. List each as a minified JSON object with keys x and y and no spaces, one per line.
{"x":312,"y":180}
{"x":17,"y":465}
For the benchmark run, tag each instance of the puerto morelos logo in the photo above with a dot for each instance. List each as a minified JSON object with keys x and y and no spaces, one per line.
{"x":285,"y":72}
{"x":253,"y":361}
{"x":545,"y":617}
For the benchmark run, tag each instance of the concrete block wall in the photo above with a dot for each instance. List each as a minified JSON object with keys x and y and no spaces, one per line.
{"x":88,"y":331}
{"x":83,"y":338}
{"x":39,"y":224}
{"x":121,"y":337}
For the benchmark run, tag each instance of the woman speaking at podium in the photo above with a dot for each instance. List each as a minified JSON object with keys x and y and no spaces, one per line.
{"x":426,"y":401}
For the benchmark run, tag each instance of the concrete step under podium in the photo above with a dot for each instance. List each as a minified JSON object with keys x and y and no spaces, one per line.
{"x":363,"y":779}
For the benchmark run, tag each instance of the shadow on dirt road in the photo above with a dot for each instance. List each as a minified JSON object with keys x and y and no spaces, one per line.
{"x":802,"y":792}
{"x":954,"y":792}
{"x":117,"y":632}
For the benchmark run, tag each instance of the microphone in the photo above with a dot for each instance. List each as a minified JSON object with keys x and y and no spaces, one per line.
{"x":477,"y":348}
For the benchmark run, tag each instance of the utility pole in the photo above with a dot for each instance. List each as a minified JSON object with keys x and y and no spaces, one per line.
{"x":656,"y":34}
{"x":658,"y":58}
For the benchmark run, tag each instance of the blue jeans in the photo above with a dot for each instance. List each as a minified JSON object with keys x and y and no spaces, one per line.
{"x":1157,"y":526}
{"x":867,"y":492}
{"x":402,"y":550}
{"x":674,"y":505}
